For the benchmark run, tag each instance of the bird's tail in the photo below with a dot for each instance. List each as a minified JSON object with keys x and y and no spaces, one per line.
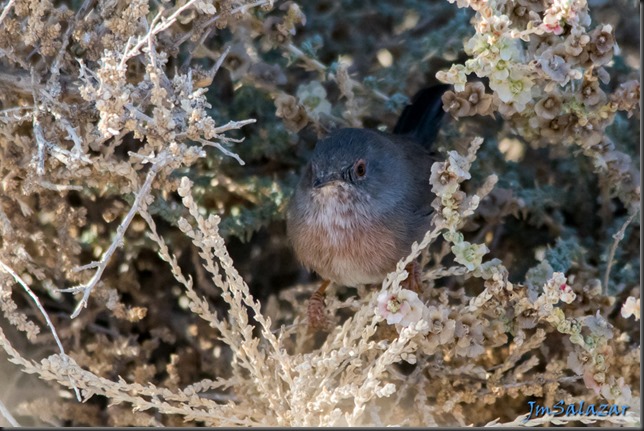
{"x":421,"y":119}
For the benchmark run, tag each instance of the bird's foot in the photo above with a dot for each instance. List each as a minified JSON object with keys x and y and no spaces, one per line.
{"x":316,"y":310}
{"x":413,"y":281}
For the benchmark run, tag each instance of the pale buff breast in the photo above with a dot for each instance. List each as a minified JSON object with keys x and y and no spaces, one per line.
{"x":342,"y":242}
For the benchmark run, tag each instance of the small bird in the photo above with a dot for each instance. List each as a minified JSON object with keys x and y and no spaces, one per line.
{"x":364,"y":198}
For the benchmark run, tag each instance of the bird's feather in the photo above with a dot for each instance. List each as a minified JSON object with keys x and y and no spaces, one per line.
{"x":421,"y":119}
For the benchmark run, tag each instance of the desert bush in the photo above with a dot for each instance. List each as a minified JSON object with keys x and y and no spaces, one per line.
{"x":148,"y":149}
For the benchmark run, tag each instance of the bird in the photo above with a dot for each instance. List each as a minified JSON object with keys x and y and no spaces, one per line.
{"x":364,"y":197}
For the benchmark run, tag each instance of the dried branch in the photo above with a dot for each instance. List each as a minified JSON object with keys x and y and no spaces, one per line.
{"x":161,"y":161}
{"x":222,"y":149}
{"x":316,"y":65}
{"x":52,"y":328}
{"x":155,"y":29}
{"x":6,"y":9}
{"x":42,"y":144}
{"x":613,"y":248}
{"x":4,"y":411}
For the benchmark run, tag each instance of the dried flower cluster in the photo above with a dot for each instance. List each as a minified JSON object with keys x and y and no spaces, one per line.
{"x":545,"y":66}
{"x":141,"y":143}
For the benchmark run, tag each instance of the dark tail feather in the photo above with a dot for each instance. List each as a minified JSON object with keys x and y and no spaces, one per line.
{"x":422,"y":118}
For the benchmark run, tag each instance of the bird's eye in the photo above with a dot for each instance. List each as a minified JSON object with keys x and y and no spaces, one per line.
{"x":360,"y":168}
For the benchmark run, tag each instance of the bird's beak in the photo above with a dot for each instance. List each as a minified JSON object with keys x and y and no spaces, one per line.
{"x":326,"y":179}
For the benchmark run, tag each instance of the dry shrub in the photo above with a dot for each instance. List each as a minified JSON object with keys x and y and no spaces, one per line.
{"x":146,"y":153}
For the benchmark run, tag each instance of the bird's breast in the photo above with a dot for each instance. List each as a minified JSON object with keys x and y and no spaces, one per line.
{"x":339,"y":237}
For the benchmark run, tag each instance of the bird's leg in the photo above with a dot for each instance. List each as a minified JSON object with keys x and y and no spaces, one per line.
{"x":413,"y":281}
{"x":317,"y":316}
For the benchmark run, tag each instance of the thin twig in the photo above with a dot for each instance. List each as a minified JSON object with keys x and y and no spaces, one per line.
{"x":435,"y":274}
{"x":222,"y":149}
{"x":139,"y":115}
{"x":120,"y":232}
{"x":84,"y":267}
{"x":38,"y":133}
{"x":58,"y":187}
{"x":209,"y":24}
{"x":41,"y":143}
{"x":5,"y":413}
{"x":33,"y":296}
{"x":78,"y":143}
{"x":5,"y":224}
{"x":64,"y":156}
{"x":213,"y":72}
{"x":6,"y":10}
{"x":55,"y":68}
{"x":156,"y":29}
{"x":234,"y":140}
{"x":315,"y":64}
{"x":15,"y":108}
{"x":233,"y":125}
{"x":297,"y":52}
{"x":611,"y":255}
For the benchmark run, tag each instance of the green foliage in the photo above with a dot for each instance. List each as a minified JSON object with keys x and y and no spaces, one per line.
{"x":564,"y":253}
